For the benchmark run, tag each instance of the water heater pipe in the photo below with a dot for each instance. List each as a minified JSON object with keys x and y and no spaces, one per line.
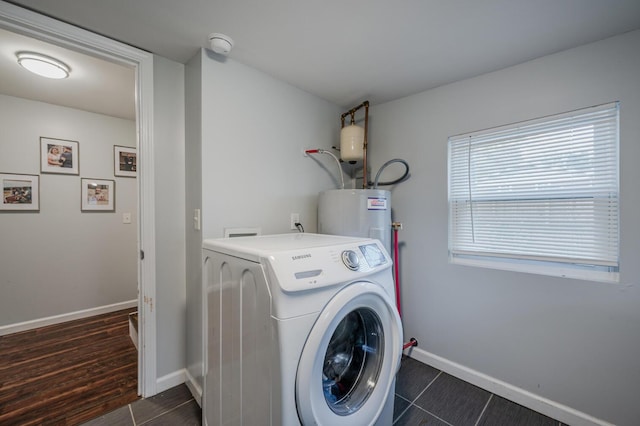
{"x":402,"y":178}
{"x":351,"y":112}
{"x":396,"y":269}
{"x":396,"y":264}
{"x":410,"y":343}
{"x":324,"y":151}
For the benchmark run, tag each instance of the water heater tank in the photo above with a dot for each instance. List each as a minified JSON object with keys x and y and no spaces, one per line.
{"x":356,"y":213}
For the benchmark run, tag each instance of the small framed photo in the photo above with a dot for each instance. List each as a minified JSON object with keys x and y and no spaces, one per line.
{"x":20,"y":193}
{"x":59,"y":156}
{"x":125,"y":161}
{"x":98,"y":195}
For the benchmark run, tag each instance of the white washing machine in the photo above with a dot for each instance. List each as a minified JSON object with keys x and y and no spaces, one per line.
{"x":299,"y":329}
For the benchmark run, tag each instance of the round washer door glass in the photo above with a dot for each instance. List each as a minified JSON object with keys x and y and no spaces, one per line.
{"x":348,"y":363}
{"x":352,"y":361}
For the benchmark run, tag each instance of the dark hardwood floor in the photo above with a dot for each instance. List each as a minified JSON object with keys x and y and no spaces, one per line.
{"x":66,"y":374}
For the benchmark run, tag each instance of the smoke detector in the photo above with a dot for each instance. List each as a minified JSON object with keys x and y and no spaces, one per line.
{"x":220,"y":43}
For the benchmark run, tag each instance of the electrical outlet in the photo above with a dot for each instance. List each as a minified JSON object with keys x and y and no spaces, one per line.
{"x":295,"y":218}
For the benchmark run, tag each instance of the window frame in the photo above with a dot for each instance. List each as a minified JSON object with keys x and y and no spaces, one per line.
{"x":462,"y":245}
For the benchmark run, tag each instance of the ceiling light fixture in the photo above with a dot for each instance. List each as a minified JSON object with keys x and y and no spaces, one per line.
{"x":43,"y":65}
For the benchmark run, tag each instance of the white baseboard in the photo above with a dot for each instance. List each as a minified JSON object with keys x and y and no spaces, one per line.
{"x":193,"y":386}
{"x":520,"y":396}
{"x":57,"y":319}
{"x":170,"y":380}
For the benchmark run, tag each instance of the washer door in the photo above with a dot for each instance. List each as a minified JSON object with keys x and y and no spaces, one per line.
{"x":350,"y":359}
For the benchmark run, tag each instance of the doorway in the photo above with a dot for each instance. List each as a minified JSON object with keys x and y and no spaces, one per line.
{"x":21,"y":21}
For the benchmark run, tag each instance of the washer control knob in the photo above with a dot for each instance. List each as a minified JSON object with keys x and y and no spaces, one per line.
{"x":350,"y":260}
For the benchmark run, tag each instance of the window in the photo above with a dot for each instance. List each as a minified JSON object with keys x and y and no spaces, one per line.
{"x":539,"y":196}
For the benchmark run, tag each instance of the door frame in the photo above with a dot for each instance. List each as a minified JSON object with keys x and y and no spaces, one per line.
{"x":23,"y":21}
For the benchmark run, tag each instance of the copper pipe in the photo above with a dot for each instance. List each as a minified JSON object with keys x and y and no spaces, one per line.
{"x":365,"y":182}
{"x":352,"y":111}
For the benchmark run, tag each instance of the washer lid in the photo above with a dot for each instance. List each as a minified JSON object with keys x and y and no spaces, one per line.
{"x":255,"y":247}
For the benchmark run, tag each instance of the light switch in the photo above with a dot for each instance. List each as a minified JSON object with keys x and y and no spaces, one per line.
{"x":126,"y":217}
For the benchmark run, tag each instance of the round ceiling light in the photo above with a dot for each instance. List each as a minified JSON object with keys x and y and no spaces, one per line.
{"x":43,"y":65}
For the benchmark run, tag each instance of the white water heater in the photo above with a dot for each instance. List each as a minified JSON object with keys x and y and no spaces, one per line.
{"x":356,"y":213}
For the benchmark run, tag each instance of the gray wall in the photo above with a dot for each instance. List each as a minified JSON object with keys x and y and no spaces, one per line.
{"x":60,"y":260}
{"x":254,"y":129}
{"x":169,"y":159}
{"x":574,"y":342}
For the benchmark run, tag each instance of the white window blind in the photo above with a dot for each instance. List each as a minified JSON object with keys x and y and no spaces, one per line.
{"x":542,"y":191}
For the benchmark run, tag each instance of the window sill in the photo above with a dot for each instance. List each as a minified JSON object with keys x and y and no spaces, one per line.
{"x":539,"y":269}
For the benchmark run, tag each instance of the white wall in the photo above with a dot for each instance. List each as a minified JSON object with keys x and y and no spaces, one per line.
{"x":573,"y":342}
{"x":254,"y":130}
{"x":169,"y":159}
{"x":61,"y":260}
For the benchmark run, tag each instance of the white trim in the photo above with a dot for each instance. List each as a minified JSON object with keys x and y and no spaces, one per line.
{"x":513,"y":393}
{"x":147,"y":236}
{"x":25,"y":22}
{"x":57,"y":319}
{"x":171,"y":380}
{"x":193,"y":386}
{"x":550,"y":269}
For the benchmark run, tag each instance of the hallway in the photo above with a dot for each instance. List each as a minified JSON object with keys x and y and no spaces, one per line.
{"x":66,"y":374}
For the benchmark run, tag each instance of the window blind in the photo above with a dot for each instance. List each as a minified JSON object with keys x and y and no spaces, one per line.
{"x":544,"y":190}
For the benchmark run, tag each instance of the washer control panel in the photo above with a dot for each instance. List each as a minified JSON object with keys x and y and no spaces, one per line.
{"x":315,"y":267}
{"x":351,"y":260}
{"x":373,"y":255}
{"x":303,"y":261}
{"x":370,"y":253}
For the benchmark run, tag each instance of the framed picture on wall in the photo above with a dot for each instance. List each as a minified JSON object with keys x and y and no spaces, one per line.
{"x":20,"y":193}
{"x":125,"y":161}
{"x":59,"y":156}
{"x":98,"y":195}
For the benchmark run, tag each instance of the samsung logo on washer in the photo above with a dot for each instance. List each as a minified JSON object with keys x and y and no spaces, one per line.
{"x":301,"y":256}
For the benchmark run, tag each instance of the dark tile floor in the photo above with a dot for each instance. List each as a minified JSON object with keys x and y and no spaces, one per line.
{"x":172,"y":407}
{"x":424,"y":396}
